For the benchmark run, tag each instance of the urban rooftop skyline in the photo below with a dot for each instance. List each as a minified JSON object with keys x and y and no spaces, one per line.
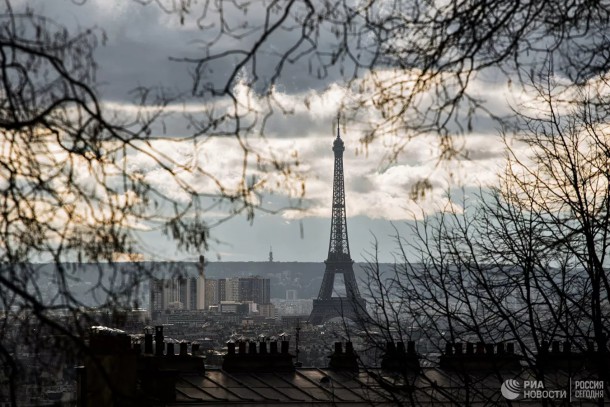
{"x":471,"y":175}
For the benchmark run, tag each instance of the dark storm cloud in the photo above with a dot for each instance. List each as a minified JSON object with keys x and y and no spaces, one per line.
{"x":135,"y":45}
{"x":141,"y":40}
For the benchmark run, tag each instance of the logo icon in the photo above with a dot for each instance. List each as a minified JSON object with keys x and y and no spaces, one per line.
{"x":511,"y":389}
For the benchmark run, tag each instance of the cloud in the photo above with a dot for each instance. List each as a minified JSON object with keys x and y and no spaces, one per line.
{"x":140,"y":40}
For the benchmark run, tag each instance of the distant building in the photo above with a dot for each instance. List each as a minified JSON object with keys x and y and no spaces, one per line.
{"x":232,"y":289}
{"x":255,"y":289}
{"x":222,"y":290}
{"x":200,"y":289}
{"x":179,"y":293}
{"x":291,"y":295}
{"x":233,"y":307}
{"x":293,"y":307}
{"x":242,"y":289}
{"x":267,"y":311}
{"x":211,"y":293}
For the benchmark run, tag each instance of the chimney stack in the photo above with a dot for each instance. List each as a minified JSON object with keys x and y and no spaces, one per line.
{"x":486,"y":356}
{"x":258,"y":360}
{"x":230,"y":348}
{"x":148,"y":343}
{"x":343,"y":361}
{"x":555,"y":347}
{"x":397,"y":359}
{"x":338,"y":348}
{"x":411,"y":347}
{"x":159,"y":344}
{"x":469,"y":348}
{"x":195,"y":348}
{"x":458,"y":348}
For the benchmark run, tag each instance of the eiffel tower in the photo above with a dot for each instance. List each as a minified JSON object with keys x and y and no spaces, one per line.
{"x":339,"y":261}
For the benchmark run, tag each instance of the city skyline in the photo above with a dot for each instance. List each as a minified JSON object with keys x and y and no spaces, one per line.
{"x":170,"y":169}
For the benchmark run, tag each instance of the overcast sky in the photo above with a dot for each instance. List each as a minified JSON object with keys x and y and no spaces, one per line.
{"x":141,"y":40}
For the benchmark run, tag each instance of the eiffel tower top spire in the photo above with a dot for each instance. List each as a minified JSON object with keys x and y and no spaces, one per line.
{"x":338,"y":145}
{"x":338,"y":249}
{"x":338,"y":123}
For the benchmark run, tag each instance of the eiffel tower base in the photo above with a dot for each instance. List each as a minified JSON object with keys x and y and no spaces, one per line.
{"x":325,"y":310}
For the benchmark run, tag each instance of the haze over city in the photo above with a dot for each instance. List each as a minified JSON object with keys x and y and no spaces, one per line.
{"x":286,"y":202}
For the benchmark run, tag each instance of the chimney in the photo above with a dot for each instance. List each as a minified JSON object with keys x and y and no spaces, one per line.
{"x":201,"y":265}
{"x":148,"y":343}
{"x":396,"y":359}
{"x":343,"y":361}
{"x":469,"y":348}
{"x":390,"y":347}
{"x":159,"y":345}
{"x":195,"y":348}
{"x":489,"y":349}
{"x":458,"y":348}
{"x":448,"y":349}
{"x":349,"y":348}
{"x":230,"y":348}
{"x":110,"y":350}
{"x":485,"y":356}
{"x":411,"y":347}
{"x":183,"y":349}
{"x":258,"y":360}
{"x":338,"y":348}
{"x":131,"y":376}
{"x":400,"y":348}
{"x":561,"y":357}
{"x":555,"y":347}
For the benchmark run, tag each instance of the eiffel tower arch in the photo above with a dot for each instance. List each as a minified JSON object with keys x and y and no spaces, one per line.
{"x":339,"y":261}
